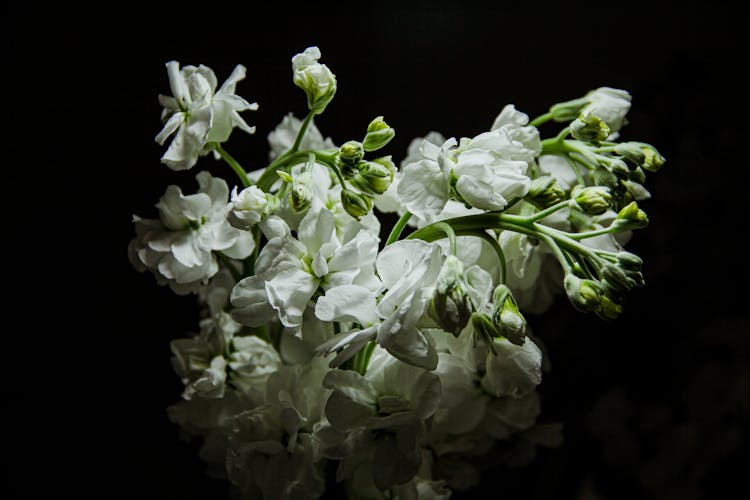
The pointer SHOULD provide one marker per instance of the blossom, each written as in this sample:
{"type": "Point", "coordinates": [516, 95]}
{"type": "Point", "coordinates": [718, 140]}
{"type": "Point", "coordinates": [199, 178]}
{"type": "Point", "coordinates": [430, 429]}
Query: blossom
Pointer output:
{"type": "Point", "coordinates": [383, 412]}
{"type": "Point", "coordinates": [269, 447]}
{"type": "Point", "coordinates": [609, 105]}
{"type": "Point", "coordinates": [318, 82]}
{"type": "Point", "coordinates": [179, 247]}
{"type": "Point", "coordinates": [281, 139]}
{"type": "Point", "coordinates": [198, 115]}
{"type": "Point", "coordinates": [290, 270]}
{"type": "Point", "coordinates": [513, 370]}
{"type": "Point", "coordinates": [248, 207]}
{"type": "Point", "coordinates": [408, 270]}
{"type": "Point", "coordinates": [485, 172]}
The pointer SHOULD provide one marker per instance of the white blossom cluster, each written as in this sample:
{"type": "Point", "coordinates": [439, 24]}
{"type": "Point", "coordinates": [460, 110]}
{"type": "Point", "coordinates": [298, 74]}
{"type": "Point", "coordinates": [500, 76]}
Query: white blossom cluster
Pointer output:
{"type": "Point", "coordinates": [391, 364]}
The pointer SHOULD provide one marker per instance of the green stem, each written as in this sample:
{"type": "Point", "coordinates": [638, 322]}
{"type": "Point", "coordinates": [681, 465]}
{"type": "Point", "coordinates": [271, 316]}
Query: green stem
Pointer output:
{"type": "Point", "coordinates": [498, 250]}
{"type": "Point", "coordinates": [250, 261]}
{"type": "Point", "coordinates": [362, 358]}
{"type": "Point", "coordinates": [591, 234]}
{"type": "Point", "coordinates": [339, 175]}
{"type": "Point", "coordinates": [547, 211]}
{"type": "Point", "coordinates": [541, 119]}
{"type": "Point", "coordinates": [398, 228]}
{"type": "Point", "coordinates": [575, 169]}
{"type": "Point", "coordinates": [269, 176]}
{"type": "Point", "coordinates": [301, 132]}
{"type": "Point", "coordinates": [448, 230]}
{"type": "Point", "coordinates": [228, 264]}
{"type": "Point", "coordinates": [234, 164]}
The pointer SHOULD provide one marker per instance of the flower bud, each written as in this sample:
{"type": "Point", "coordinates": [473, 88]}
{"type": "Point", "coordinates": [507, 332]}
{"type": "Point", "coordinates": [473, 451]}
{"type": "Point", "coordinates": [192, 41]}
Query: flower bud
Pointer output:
{"type": "Point", "coordinates": [508, 319]}
{"type": "Point", "coordinates": [631, 217]}
{"type": "Point", "coordinates": [351, 153]}
{"type": "Point", "coordinates": [617, 278]}
{"type": "Point", "coordinates": [374, 176]}
{"type": "Point", "coordinates": [589, 127]}
{"type": "Point", "coordinates": [637, 175]}
{"type": "Point", "coordinates": [608, 309]}
{"type": "Point", "coordinates": [485, 328]}
{"type": "Point", "coordinates": [584, 294]}
{"type": "Point", "coordinates": [355, 204]}
{"type": "Point", "coordinates": [248, 208]}
{"type": "Point", "coordinates": [378, 134]}
{"type": "Point", "coordinates": [451, 306]}
{"type": "Point", "coordinates": [300, 196]}
{"type": "Point", "coordinates": [603, 177]}
{"type": "Point", "coordinates": [594, 200]}
{"type": "Point", "coordinates": [631, 151]}
{"type": "Point", "coordinates": [568, 110]}
{"type": "Point", "coordinates": [629, 261]}
{"type": "Point", "coordinates": [544, 192]}
{"type": "Point", "coordinates": [318, 82]}
{"type": "Point", "coordinates": [654, 161]}
{"type": "Point", "coordinates": [619, 168]}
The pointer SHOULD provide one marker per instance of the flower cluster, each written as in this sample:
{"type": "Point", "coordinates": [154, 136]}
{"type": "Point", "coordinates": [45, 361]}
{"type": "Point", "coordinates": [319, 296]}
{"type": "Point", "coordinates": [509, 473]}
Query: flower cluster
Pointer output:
{"type": "Point", "coordinates": [398, 361]}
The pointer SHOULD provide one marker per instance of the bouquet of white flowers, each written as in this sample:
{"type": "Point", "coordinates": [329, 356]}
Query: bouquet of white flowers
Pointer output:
{"type": "Point", "coordinates": [395, 362]}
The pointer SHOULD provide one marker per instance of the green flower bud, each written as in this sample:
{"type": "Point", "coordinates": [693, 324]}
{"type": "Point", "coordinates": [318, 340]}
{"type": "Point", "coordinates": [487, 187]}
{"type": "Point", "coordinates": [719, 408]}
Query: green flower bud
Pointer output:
{"type": "Point", "coordinates": [544, 192]}
{"type": "Point", "coordinates": [608, 309]}
{"type": "Point", "coordinates": [629, 261]}
{"type": "Point", "coordinates": [568, 110]}
{"type": "Point", "coordinates": [588, 127]}
{"type": "Point", "coordinates": [351, 153]}
{"type": "Point", "coordinates": [594, 200]}
{"type": "Point", "coordinates": [300, 196]}
{"type": "Point", "coordinates": [508, 319]}
{"type": "Point", "coordinates": [378, 134]}
{"type": "Point", "coordinates": [631, 151]}
{"type": "Point", "coordinates": [355, 204]}
{"type": "Point", "coordinates": [654, 160]}
{"type": "Point", "coordinates": [584, 294]}
{"type": "Point", "coordinates": [637, 175]}
{"type": "Point", "coordinates": [374, 176]}
{"type": "Point", "coordinates": [451, 306]}
{"type": "Point", "coordinates": [619, 168]}
{"type": "Point", "coordinates": [603, 177]}
{"type": "Point", "coordinates": [631, 217]}
{"type": "Point", "coordinates": [617, 278]}
{"type": "Point", "coordinates": [485, 329]}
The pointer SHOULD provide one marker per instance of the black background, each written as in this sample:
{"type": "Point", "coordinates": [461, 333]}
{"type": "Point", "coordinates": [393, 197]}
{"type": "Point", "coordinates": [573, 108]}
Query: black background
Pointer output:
{"type": "Point", "coordinates": [655, 404]}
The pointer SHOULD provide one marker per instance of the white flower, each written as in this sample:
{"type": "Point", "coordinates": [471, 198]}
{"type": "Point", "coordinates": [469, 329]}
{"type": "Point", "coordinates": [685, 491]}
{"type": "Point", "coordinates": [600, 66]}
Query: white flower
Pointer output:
{"type": "Point", "coordinates": [290, 270]}
{"type": "Point", "coordinates": [252, 360]}
{"type": "Point", "coordinates": [409, 270]}
{"type": "Point", "coordinates": [318, 82]}
{"type": "Point", "coordinates": [413, 152]}
{"type": "Point", "coordinates": [196, 115]}
{"type": "Point", "coordinates": [515, 123]}
{"type": "Point", "coordinates": [514, 371]}
{"type": "Point", "coordinates": [609, 105]}
{"type": "Point", "coordinates": [383, 413]}
{"type": "Point", "coordinates": [249, 207]}
{"type": "Point", "coordinates": [486, 172]}
{"type": "Point", "coordinates": [281, 139]}
{"type": "Point", "coordinates": [179, 247]}
{"type": "Point", "coordinates": [269, 449]}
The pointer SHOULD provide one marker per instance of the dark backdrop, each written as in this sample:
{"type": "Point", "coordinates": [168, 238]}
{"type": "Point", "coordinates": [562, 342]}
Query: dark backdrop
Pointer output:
{"type": "Point", "coordinates": [655, 404]}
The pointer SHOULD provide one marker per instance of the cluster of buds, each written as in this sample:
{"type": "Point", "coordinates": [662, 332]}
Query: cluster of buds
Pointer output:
{"type": "Point", "coordinates": [604, 292]}
{"type": "Point", "coordinates": [369, 177]}
{"type": "Point", "coordinates": [505, 320]}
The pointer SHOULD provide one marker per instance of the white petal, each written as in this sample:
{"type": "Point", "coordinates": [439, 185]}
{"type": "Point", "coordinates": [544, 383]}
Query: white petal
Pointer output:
{"type": "Point", "coordinates": [315, 229]}
{"type": "Point", "coordinates": [347, 303]}
{"type": "Point", "coordinates": [423, 189]}
{"type": "Point", "coordinates": [251, 303]}
{"type": "Point", "coordinates": [172, 124]}
{"type": "Point", "coordinates": [288, 293]}
{"type": "Point", "coordinates": [479, 194]}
